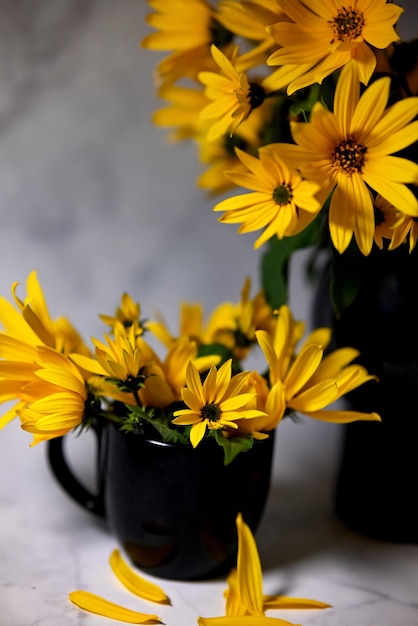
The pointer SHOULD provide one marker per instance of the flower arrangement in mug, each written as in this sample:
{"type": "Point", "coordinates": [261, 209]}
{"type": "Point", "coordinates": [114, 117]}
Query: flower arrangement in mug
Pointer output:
{"type": "Point", "coordinates": [309, 107]}
{"type": "Point", "coordinates": [197, 390]}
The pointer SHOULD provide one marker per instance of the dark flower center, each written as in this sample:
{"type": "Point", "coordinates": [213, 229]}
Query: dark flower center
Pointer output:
{"type": "Point", "coordinates": [282, 194]}
{"type": "Point", "coordinates": [349, 156]}
{"type": "Point", "coordinates": [211, 412]}
{"type": "Point", "coordinates": [348, 24]}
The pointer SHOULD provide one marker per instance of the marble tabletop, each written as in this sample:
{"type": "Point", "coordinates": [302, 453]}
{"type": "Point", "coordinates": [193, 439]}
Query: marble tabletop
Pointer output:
{"type": "Point", "coordinates": [95, 199]}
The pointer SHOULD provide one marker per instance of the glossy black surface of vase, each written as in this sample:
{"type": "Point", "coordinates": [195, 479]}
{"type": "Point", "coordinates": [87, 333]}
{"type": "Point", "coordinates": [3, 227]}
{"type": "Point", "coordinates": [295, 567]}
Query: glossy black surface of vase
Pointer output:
{"type": "Point", "coordinates": [173, 508]}
{"type": "Point", "coordinates": [376, 490]}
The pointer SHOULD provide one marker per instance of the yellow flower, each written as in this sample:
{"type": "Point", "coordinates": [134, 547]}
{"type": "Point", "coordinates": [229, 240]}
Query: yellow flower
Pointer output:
{"type": "Point", "coordinates": [404, 226]}
{"type": "Point", "coordinates": [307, 381]}
{"type": "Point", "coordinates": [233, 96]}
{"type": "Point", "coordinates": [17, 368]}
{"type": "Point", "coordinates": [32, 323]}
{"type": "Point", "coordinates": [385, 215]}
{"type": "Point", "coordinates": [56, 400]}
{"type": "Point", "coordinates": [327, 34]}
{"type": "Point", "coordinates": [348, 151]}
{"type": "Point", "coordinates": [182, 112]}
{"type": "Point", "coordinates": [127, 314]}
{"type": "Point", "coordinates": [234, 324]}
{"type": "Point", "coordinates": [188, 28]}
{"type": "Point", "coordinates": [217, 403]}
{"type": "Point", "coordinates": [191, 325]}
{"type": "Point", "coordinates": [282, 202]}
{"type": "Point", "coordinates": [181, 352]}
{"type": "Point", "coordinates": [124, 363]}
{"type": "Point", "coordinates": [249, 20]}
{"type": "Point", "coordinates": [220, 153]}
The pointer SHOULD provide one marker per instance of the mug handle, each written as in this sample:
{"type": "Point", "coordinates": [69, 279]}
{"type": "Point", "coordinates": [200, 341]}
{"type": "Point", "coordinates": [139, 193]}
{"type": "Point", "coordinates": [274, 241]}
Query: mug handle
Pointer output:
{"type": "Point", "coordinates": [67, 480]}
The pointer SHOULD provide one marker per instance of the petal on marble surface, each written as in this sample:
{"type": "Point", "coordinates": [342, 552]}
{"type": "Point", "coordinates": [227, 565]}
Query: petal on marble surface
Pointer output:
{"type": "Point", "coordinates": [286, 602]}
{"type": "Point", "coordinates": [244, 620]}
{"type": "Point", "coordinates": [96, 604]}
{"type": "Point", "coordinates": [134, 582]}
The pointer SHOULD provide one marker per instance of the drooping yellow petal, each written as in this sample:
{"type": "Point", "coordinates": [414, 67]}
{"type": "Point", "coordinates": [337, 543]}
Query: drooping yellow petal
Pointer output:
{"type": "Point", "coordinates": [344, 417]}
{"type": "Point", "coordinates": [133, 582]}
{"type": "Point", "coordinates": [96, 604]}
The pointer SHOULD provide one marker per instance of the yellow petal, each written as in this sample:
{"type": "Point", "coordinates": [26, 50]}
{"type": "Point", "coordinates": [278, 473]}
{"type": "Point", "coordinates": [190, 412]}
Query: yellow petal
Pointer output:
{"type": "Point", "coordinates": [234, 605]}
{"type": "Point", "coordinates": [343, 417]}
{"type": "Point", "coordinates": [244, 620]}
{"type": "Point", "coordinates": [135, 583]}
{"type": "Point", "coordinates": [95, 604]}
{"type": "Point", "coordinates": [285, 602]}
{"type": "Point", "coordinates": [250, 576]}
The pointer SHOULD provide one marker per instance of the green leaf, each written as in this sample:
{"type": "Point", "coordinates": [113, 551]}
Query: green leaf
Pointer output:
{"type": "Point", "coordinates": [233, 445]}
{"type": "Point", "coordinates": [161, 422]}
{"type": "Point", "coordinates": [275, 263]}
{"type": "Point", "coordinates": [168, 434]}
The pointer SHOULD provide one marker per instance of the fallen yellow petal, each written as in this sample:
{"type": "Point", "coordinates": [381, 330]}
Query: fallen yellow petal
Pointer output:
{"type": "Point", "coordinates": [244, 620]}
{"type": "Point", "coordinates": [135, 583]}
{"type": "Point", "coordinates": [285, 602]}
{"type": "Point", "coordinates": [95, 604]}
{"type": "Point", "coordinates": [249, 572]}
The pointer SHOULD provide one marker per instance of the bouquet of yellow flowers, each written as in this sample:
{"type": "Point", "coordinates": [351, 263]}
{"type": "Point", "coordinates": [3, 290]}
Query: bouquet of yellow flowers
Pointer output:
{"type": "Point", "coordinates": [307, 106]}
{"type": "Point", "coordinates": [194, 387]}
{"type": "Point", "coordinates": [304, 116]}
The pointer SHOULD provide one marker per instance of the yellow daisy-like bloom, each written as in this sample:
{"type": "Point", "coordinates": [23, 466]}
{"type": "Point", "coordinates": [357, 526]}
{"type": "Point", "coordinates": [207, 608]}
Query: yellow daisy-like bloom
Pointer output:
{"type": "Point", "coordinates": [32, 323]}
{"type": "Point", "coordinates": [349, 150]}
{"type": "Point", "coordinates": [326, 34]}
{"type": "Point", "coordinates": [234, 324]}
{"type": "Point", "coordinates": [180, 353]}
{"type": "Point", "coordinates": [220, 153]}
{"type": "Point", "coordinates": [232, 96]}
{"type": "Point", "coordinates": [386, 216]}
{"type": "Point", "coordinates": [216, 404]}
{"type": "Point", "coordinates": [127, 314]}
{"type": "Point", "coordinates": [56, 400]}
{"type": "Point", "coordinates": [191, 325]}
{"type": "Point", "coordinates": [17, 368]}
{"type": "Point", "coordinates": [282, 202]}
{"type": "Point", "coordinates": [308, 382]}
{"type": "Point", "coordinates": [123, 364]}
{"type": "Point", "coordinates": [128, 369]}
{"type": "Point", "coordinates": [182, 113]}
{"type": "Point", "coordinates": [249, 20]}
{"type": "Point", "coordinates": [188, 28]}
{"type": "Point", "coordinates": [404, 226]}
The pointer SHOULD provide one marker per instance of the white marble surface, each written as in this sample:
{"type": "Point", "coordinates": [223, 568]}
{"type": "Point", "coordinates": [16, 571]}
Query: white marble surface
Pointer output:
{"type": "Point", "coordinates": [94, 199]}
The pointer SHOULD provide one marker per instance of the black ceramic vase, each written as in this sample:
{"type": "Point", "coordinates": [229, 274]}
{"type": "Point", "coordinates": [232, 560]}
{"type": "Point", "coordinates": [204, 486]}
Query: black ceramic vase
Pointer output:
{"type": "Point", "coordinates": [378, 476]}
{"type": "Point", "coordinates": [173, 508]}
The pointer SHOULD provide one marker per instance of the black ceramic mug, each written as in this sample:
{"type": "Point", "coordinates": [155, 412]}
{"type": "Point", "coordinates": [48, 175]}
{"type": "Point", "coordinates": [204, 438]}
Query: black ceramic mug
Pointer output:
{"type": "Point", "coordinates": [172, 508]}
